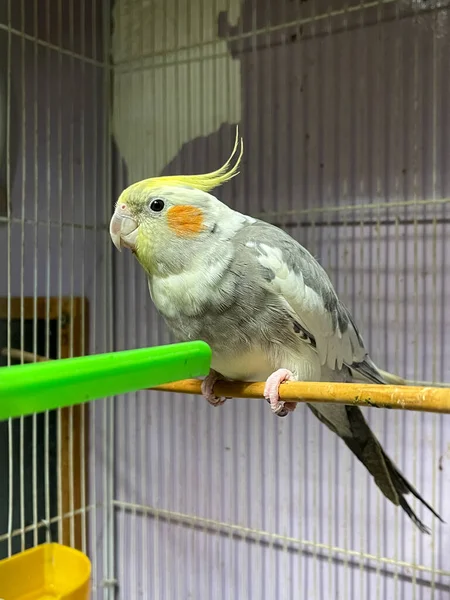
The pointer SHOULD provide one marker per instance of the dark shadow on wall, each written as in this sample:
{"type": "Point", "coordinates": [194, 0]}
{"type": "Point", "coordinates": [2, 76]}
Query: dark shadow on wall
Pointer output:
{"type": "Point", "coordinates": [328, 112]}
{"type": "Point", "coordinates": [328, 109]}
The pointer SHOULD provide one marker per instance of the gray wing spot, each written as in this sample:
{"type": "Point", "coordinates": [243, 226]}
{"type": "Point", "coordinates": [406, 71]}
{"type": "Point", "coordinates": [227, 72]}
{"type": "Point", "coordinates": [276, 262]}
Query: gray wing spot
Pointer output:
{"type": "Point", "coordinates": [304, 335]}
{"type": "Point", "coordinates": [267, 273]}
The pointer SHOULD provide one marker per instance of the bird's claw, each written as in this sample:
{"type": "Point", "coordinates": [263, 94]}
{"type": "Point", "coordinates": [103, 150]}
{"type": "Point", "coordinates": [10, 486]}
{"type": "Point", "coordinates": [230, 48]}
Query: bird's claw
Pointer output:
{"type": "Point", "coordinates": [208, 389]}
{"type": "Point", "coordinates": [271, 392]}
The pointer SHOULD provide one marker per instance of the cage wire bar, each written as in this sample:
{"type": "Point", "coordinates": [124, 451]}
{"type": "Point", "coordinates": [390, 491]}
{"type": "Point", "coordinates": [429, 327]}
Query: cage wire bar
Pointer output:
{"type": "Point", "coordinates": [56, 279]}
{"type": "Point", "coordinates": [342, 105]}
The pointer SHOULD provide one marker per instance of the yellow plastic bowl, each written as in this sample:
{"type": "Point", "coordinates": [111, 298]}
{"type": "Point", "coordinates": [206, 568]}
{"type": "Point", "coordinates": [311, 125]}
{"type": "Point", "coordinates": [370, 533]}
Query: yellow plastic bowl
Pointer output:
{"type": "Point", "coordinates": [47, 572]}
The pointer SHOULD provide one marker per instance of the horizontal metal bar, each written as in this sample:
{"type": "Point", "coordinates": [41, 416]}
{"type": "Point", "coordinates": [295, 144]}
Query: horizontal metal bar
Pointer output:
{"type": "Point", "coordinates": [353, 207]}
{"type": "Point", "coordinates": [45, 523]}
{"type": "Point", "coordinates": [363, 222]}
{"type": "Point", "coordinates": [331, 14]}
{"type": "Point", "coordinates": [280, 223]}
{"type": "Point", "coordinates": [54, 47]}
{"type": "Point", "coordinates": [57, 224]}
{"type": "Point", "coordinates": [146, 61]}
{"type": "Point", "coordinates": [221, 527]}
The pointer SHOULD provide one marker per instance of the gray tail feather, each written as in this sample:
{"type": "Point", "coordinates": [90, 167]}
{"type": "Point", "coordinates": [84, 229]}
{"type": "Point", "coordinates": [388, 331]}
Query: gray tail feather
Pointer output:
{"type": "Point", "coordinates": [366, 447]}
{"type": "Point", "coordinates": [369, 371]}
{"type": "Point", "coordinates": [409, 488]}
{"type": "Point", "coordinates": [417, 383]}
{"type": "Point", "coordinates": [392, 379]}
{"type": "Point", "coordinates": [388, 478]}
{"type": "Point", "coordinates": [368, 450]}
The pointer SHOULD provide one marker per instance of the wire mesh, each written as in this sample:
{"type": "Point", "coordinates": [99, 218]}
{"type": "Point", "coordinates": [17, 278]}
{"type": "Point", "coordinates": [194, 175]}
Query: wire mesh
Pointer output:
{"type": "Point", "coordinates": [55, 280]}
{"type": "Point", "coordinates": [342, 106]}
{"type": "Point", "coordinates": [343, 110]}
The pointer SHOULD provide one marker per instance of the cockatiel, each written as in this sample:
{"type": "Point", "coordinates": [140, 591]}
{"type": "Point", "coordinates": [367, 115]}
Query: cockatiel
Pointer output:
{"type": "Point", "coordinates": [259, 299]}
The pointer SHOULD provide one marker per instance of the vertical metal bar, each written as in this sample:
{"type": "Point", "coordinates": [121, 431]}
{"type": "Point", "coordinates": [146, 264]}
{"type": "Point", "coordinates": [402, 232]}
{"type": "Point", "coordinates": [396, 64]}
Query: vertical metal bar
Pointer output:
{"type": "Point", "coordinates": [87, 105]}
{"type": "Point", "coordinates": [71, 236]}
{"type": "Point", "coordinates": [36, 270]}
{"type": "Point", "coordinates": [120, 82]}
{"type": "Point", "coordinates": [132, 400]}
{"type": "Point", "coordinates": [314, 159]}
{"type": "Point", "coordinates": [168, 117]}
{"type": "Point", "coordinates": [206, 448]}
{"type": "Point", "coordinates": [190, 121]}
{"type": "Point", "coordinates": [143, 402]}
{"type": "Point", "coordinates": [407, 131]}
{"type": "Point", "coordinates": [443, 257]}
{"type": "Point", "coordinates": [133, 327]}
{"type": "Point", "coordinates": [49, 187]}
{"type": "Point", "coordinates": [286, 131]}
{"type": "Point", "coordinates": [9, 269]}
{"type": "Point", "coordinates": [379, 132]}
{"type": "Point", "coordinates": [250, 131]}
{"type": "Point", "coordinates": [109, 403]}
{"type": "Point", "coordinates": [346, 190]}
{"type": "Point", "coordinates": [265, 139]}
{"type": "Point", "coordinates": [176, 411]}
{"type": "Point", "coordinates": [327, 144]}
{"type": "Point", "coordinates": [281, 168]}
{"type": "Point", "coordinates": [24, 124]}
{"type": "Point", "coordinates": [361, 158]}
{"type": "Point", "coordinates": [322, 244]}
{"type": "Point", "coordinates": [95, 409]}
{"type": "Point", "coordinates": [397, 108]}
{"type": "Point", "coordinates": [415, 195]}
{"type": "Point", "coordinates": [434, 293]}
{"type": "Point", "coordinates": [298, 158]}
{"type": "Point", "coordinates": [61, 249]}
{"type": "Point", "coordinates": [201, 437]}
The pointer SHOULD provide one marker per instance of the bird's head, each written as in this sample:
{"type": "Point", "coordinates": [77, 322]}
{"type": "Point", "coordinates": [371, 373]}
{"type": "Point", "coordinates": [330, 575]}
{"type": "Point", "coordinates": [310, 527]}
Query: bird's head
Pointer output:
{"type": "Point", "coordinates": [165, 219]}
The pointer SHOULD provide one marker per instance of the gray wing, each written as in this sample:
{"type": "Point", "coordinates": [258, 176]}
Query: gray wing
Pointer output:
{"type": "Point", "coordinates": [303, 286]}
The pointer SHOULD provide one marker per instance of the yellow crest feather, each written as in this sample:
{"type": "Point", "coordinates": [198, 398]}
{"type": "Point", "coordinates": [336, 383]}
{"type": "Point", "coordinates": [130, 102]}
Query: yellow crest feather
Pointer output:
{"type": "Point", "coordinates": [207, 181]}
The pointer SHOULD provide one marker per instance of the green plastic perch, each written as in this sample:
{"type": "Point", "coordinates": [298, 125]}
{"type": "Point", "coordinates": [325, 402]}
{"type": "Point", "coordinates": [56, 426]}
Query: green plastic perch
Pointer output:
{"type": "Point", "coordinates": [37, 387]}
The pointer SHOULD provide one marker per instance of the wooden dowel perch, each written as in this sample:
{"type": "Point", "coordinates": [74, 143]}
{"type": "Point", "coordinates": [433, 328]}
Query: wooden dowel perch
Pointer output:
{"type": "Point", "coordinates": [423, 399]}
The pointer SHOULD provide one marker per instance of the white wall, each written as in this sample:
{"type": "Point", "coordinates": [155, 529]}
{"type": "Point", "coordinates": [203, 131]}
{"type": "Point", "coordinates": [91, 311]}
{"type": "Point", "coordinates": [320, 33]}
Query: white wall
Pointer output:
{"type": "Point", "coordinates": [156, 47]}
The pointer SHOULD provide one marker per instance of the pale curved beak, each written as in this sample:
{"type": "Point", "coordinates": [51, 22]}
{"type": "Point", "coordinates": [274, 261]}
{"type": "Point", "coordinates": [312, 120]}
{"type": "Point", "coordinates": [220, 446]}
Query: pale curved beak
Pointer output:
{"type": "Point", "coordinates": [123, 229]}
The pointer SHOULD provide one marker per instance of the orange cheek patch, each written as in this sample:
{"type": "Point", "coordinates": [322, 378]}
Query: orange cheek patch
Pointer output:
{"type": "Point", "coordinates": [185, 220]}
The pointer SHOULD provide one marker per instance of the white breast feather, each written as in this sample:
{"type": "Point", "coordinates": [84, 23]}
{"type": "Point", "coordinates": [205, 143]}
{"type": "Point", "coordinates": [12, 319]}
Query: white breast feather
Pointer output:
{"type": "Point", "coordinates": [253, 365]}
{"type": "Point", "coordinates": [185, 292]}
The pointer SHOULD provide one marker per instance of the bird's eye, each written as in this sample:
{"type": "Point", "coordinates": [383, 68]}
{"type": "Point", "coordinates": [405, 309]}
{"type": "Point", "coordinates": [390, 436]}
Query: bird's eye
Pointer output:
{"type": "Point", "coordinates": [157, 205]}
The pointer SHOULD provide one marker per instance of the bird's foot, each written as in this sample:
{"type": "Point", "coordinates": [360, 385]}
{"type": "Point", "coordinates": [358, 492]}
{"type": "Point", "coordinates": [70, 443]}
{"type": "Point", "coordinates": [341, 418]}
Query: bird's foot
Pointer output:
{"type": "Point", "coordinates": [208, 388]}
{"type": "Point", "coordinates": [271, 392]}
